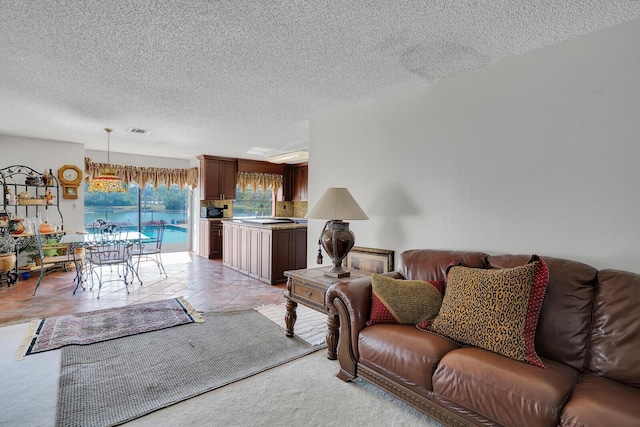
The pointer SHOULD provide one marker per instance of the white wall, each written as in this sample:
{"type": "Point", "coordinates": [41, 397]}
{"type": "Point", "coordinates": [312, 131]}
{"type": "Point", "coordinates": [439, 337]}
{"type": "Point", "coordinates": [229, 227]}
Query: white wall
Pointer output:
{"type": "Point", "coordinates": [536, 154]}
{"type": "Point", "coordinates": [40, 154]}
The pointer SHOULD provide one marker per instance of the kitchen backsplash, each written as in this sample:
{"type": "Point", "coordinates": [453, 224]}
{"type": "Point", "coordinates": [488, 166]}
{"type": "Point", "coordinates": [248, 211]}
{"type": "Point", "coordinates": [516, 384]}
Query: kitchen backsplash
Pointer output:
{"type": "Point", "coordinates": [283, 209]}
{"type": "Point", "coordinates": [291, 209]}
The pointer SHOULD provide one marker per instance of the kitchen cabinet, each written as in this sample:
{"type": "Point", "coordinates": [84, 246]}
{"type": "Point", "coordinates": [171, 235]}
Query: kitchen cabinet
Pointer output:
{"type": "Point", "coordinates": [217, 177]}
{"type": "Point", "coordinates": [264, 253]}
{"type": "Point", "coordinates": [231, 247]}
{"type": "Point", "coordinates": [282, 250]}
{"type": "Point", "coordinates": [203, 238]}
{"type": "Point", "coordinates": [302, 179]}
{"type": "Point", "coordinates": [253, 253]}
{"type": "Point", "coordinates": [210, 237]}
{"type": "Point", "coordinates": [295, 183]}
{"type": "Point", "coordinates": [243, 266]}
{"type": "Point", "coordinates": [215, 239]}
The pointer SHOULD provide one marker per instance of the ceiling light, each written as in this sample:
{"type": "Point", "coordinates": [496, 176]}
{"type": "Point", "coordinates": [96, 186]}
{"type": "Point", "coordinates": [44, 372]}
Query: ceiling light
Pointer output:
{"type": "Point", "coordinates": [293, 157]}
{"type": "Point", "coordinates": [107, 181]}
{"type": "Point", "coordinates": [261, 151]}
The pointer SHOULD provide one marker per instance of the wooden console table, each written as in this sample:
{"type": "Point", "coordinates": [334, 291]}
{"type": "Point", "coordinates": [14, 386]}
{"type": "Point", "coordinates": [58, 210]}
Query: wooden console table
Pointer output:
{"type": "Point", "coordinates": [309, 287]}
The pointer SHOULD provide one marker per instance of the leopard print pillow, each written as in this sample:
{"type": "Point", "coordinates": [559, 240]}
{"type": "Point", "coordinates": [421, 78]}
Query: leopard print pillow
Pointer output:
{"type": "Point", "coordinates": [495, 309]}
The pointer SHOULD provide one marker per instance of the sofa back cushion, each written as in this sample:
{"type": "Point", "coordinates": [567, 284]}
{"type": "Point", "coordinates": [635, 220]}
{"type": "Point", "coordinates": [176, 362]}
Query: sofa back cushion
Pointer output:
{"type": "Point", "coordinates": [615, 336]}
{"type": "Point", "coordinates": [565, 318]}
{"type": "Point", "coordinates": [429, 265]}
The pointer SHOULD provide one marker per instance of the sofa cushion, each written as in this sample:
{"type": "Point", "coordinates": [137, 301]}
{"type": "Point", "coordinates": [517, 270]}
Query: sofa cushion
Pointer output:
{"type": "Point", "coordinates": [404, 301]}
{"type": "Point", "coordinates": [615, 332]}
{"type": "Point", "coordinates": [565, 318]}
{"type": "Point", "coordinates": [502, 389]}
{"type": "Point", "coordinates": [402, 353]}
{"type": "Point", "coordinates": [597, 401]}
{"type": "Point", "coordinates": [428, 264]}
{"type": "Point", "coordinates": [495, 309]}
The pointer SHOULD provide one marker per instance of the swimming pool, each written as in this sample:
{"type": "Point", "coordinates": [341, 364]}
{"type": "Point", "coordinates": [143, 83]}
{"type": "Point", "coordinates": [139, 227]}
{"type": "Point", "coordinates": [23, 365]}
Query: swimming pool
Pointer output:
{"type": "Point", "coordinates": [172, 233]}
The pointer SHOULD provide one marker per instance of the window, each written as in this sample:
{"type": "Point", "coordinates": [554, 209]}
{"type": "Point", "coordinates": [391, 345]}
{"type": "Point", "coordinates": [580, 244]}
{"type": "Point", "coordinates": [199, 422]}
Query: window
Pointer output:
{"type": "Point", "coordinates": [249, 204]}
{"type": "Point", "coordinates": [141, 210]}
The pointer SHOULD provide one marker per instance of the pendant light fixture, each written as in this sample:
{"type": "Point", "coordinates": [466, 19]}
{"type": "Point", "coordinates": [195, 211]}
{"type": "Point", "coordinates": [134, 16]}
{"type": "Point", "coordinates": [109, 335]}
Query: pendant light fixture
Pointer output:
{"type": "Point", "coordinates": [107, 181]}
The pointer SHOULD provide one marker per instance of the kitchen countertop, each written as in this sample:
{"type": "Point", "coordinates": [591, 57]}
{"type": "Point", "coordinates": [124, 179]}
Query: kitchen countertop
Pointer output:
{"type": "Point", "coordinates": [272, 223]}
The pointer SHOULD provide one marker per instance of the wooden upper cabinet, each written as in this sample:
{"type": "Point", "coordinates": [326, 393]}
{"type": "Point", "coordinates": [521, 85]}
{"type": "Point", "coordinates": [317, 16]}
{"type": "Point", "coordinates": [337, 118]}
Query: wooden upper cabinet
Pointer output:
{"type": "Point", "coordinates": [300, 191]}
{"type": "Point", "coordinates": [217, 177]}
{"type": "Point", "coordinates": [295, 183]}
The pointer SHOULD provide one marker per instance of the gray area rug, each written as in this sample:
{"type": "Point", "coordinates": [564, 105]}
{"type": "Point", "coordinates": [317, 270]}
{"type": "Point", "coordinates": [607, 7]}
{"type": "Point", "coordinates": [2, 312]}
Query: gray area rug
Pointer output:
{"type": "Point", "coordinates": [112, 382]}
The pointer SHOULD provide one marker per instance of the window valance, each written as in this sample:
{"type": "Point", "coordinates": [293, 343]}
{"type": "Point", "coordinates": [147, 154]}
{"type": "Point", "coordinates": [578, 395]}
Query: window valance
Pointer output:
{"type": "Point", "coordinates": [257, 181]}
{"type": "Point", "coordinates": [144, 175]}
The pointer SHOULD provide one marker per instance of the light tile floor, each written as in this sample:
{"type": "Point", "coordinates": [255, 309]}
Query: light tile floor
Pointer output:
{"type": "Point", "coordinates": [206, 284]}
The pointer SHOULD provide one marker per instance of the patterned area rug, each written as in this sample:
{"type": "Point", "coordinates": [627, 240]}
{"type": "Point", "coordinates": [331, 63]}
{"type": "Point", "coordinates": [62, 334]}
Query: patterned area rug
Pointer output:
{"type": "Point", "coordinates": [102, 325]}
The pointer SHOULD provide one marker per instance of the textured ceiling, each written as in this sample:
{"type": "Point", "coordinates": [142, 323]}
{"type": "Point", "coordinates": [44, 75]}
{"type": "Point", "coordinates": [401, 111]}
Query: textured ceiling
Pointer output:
{"type": "Point", "coordinates": [222, 77]}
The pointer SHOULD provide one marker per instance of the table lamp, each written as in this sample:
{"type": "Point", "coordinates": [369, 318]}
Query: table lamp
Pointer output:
{"type": "Point", "coordinates": [336, 205]}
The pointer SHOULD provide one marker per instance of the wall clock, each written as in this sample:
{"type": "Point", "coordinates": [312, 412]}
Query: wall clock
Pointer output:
{"type": "Point", "coordinates": [70, 177]}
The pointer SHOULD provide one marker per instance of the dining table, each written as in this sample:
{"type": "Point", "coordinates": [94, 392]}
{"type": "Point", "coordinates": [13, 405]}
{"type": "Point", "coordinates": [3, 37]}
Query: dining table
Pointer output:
{"type": "Point", "coordinates": [87, 240]}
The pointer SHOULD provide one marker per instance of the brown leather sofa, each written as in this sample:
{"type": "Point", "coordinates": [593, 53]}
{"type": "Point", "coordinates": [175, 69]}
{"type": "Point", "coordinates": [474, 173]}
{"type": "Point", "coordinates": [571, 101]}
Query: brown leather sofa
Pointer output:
{"type": "Point", "coordinates": [588, 336]}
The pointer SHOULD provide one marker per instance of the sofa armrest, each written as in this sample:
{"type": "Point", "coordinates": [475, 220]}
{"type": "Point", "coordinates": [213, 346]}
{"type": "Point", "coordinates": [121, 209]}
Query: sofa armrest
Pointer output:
{"type": "Point", "coordinates": [352, 302]}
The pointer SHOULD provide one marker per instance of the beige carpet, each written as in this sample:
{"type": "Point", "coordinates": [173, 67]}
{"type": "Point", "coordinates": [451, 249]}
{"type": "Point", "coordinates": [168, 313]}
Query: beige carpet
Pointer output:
{"type": "Point", "coordinates": [304, 392]}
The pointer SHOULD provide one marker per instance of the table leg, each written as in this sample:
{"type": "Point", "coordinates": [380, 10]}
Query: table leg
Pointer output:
{"type": "Point", "coordinates": [290, 317]}
{"type": "Point", "coordinates": [333, 333]}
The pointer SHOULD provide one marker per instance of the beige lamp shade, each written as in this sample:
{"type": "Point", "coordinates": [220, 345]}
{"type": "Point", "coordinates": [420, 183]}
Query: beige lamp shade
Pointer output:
{"type": "Point", "coordinates": [337, 203]}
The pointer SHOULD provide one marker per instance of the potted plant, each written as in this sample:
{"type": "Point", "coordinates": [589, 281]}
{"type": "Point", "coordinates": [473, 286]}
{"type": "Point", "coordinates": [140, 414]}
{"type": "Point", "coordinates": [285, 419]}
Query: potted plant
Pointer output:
{"type": "Point", "coordinates": [30, 249]}
{"type": "Point", "coordinates": [7, 253]}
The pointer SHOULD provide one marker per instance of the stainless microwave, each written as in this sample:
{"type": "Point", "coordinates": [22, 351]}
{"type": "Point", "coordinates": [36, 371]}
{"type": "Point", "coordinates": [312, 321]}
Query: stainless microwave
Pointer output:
{"type": "Point", "coordinates": [211, 212]}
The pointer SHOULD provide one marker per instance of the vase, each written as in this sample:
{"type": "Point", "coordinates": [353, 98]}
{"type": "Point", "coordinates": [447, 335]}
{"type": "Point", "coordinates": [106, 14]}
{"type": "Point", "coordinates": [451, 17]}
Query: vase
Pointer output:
{"type": "Point", "coordinates": [7, 262]}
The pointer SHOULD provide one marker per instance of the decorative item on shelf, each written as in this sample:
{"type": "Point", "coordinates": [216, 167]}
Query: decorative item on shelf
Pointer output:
{"type": "Point", "coordinates": [16, 226]}
{"type": "Point", "coordinates": [32, 179]}
{"type": "Point", "coordinates": [48, 197]}
{"type": "Point", "coordinates": [336, 205]}
{"type": "Point", "coordinates": [11, 198]}
{"type": "Point", "coordinates": [70, 177]}
{"type": "Point", "coordinates": [24, 198]}
{"type": "Point", "coordinates": [107, 181]}
{"type": "Point", "coordinates": [28, 226]}
{"type": "Point", "coordinates": [7, 253]}
{"type": "Point", "coordinates": [45, 227]}
{"type": "Point", "coordinates": [47, 179]}
{"type": "Point", "coordinates": [4, 219]}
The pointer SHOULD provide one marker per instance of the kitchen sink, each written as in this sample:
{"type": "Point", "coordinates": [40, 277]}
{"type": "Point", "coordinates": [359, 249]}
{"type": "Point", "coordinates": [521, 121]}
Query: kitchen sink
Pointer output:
{"type": "Point", "coordinates": [266, 221]}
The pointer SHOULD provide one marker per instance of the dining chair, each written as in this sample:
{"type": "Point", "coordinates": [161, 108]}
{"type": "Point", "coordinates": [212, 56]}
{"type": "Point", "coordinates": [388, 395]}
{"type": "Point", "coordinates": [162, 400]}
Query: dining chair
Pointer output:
{"type": "Point", "coordinates": [110, 249]}
{"type": "Point", "coordinates": [150, 250]}
{"type": "Point", "coordinates": [51, 256]}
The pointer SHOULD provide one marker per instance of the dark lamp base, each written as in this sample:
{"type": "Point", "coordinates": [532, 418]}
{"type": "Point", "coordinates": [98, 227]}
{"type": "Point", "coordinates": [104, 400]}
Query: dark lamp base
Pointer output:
{"type": "Point", "coordinates": [338, 274]}
{"type": "Point", "coordinates": [337, 240]}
